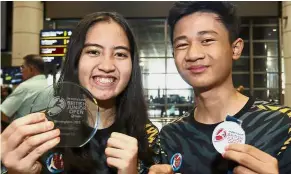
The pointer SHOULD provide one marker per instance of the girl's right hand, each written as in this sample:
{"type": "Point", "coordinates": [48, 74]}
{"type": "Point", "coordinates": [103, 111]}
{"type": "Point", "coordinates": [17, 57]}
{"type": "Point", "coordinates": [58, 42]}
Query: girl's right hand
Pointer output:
{"type": "Point", "coordinates": [25, 140]}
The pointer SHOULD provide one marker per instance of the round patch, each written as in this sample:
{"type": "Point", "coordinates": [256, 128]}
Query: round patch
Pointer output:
{"type": "Point", "coordinates": [176, 161]}
{"type": "Point", "coordinates": [55, 163]}
{"type": "Point", "coordinates": [225, 133]}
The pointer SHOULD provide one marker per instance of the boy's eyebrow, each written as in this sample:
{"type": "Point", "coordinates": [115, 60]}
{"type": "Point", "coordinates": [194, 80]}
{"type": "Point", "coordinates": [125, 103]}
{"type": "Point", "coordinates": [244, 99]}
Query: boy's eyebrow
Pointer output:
{"type": "Point", "coordinates": [179, 38]}
{"type": "Point", "coordinates": [207, 32]}
{"type": "Point", "coordinates": [200, 33]}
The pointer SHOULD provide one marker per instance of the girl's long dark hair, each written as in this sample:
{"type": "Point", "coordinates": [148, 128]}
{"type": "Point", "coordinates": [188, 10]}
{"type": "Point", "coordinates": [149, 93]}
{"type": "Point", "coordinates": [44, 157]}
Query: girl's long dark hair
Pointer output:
{"type": "Point", "coordinates": [131, 111]}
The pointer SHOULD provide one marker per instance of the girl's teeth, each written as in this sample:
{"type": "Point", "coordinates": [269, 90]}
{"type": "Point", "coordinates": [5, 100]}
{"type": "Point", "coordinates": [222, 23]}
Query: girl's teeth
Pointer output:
{"type": "Point", "coordinates": [105, 80]}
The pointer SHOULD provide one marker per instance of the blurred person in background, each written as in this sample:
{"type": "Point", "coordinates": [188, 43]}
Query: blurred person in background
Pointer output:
{"type": "Point", "coordinates": [19, 102]}
{"type": "Point", "coordinates": [5, 92]}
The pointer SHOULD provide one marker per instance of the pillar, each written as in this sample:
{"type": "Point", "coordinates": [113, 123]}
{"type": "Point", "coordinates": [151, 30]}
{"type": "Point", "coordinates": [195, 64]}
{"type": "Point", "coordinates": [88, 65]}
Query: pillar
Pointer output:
{"type": "Point", "coordinates": [27, 23]}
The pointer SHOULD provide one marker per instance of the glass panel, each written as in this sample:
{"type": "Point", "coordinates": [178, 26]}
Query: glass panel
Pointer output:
{"type": "Point", "coordinates": [155, 96]}
{"type": "Point", "coordinates": [246, 49]}
{"type": "Point", "coordinates": [265, 49]}
{"type": "Point", "coordinates": [142, 23]}
{"type": "Point", "coordinates": [244, 33]}
{"type": "Point", "coordinates": [48, 25]}
{"type": "Point", "coordinates": [265, 21]}
{"type": "Point", "coordinates": [241, 79]}
{"type": "Point", "coordinates": [176, 110]}
{"type": "Point", "coordinates": [66, 24]}
{"type": "Point", "coordinates": [152, 65]}
{"type": "Point", "coordinates": [245, 20]}
{"type": "Point", "coordinates": [156, 111]}
{"type": "Point", "coordinates": [156, 101]}
{"type": "Point", "coordinates": [169, 50]}
{"type": "Point", "coordinates": [148, 30]}
{"type": "Point", "coordinates": [150, 34]}
{"type": "Point", "coordinates": [267, 94]}
{"type": "Point", "coordinates": [152, 49]}
{"type": "Point", "coordinates": [266, 65]}
{"type": "Point", "coordinates": [153, 81]}
{"type": "Point", "coordinates": [265, 33]}
{"type": "Point", "coordinates": [179, 102]}
{"type": "Point", "coordinates": [171, 66]}
{"type": "Point", "coordinates": [175, 81]}
{"type": "Point", "coordinates": [269, 80]}
{"type": "Point", "coordinates": [185, 96]}
{"type": "Point", "coordinates": [242, 64]}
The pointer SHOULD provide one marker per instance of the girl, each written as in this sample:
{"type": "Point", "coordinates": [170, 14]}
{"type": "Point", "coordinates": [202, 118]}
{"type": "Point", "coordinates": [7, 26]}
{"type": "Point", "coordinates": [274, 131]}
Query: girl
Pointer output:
{"type": "Point", "coordinates": [102, 57]}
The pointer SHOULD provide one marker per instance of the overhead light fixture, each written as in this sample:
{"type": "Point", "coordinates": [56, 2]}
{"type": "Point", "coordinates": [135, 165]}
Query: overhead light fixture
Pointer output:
{"type": "Point", "coordinates": [274, 29]}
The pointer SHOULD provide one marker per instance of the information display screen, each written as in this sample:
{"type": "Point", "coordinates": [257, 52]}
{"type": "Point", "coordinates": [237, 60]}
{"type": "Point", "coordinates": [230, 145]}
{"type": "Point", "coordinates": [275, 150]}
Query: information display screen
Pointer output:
{"type": "Point", "coordinates": [11, 75]}
{"type": "Point", "coordinates": [53, 44]}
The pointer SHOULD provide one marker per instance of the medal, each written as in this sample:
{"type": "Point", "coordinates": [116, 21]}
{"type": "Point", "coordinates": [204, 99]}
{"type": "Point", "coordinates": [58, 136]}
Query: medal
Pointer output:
{"type": "Point", "coordinates": [228, 132]}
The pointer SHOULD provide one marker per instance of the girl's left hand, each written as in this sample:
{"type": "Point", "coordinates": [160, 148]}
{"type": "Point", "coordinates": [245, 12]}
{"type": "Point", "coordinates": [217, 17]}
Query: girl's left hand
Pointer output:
{"type": "Point", "coordinates": [122, 153]}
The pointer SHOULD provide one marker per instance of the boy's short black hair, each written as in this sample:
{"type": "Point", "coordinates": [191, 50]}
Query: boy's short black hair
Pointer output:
{"type": "Point", "coordinates": [225, 10]}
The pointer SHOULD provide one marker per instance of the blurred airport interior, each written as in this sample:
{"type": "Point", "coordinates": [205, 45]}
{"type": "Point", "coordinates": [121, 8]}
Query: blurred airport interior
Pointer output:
{"type": "Point", "coordinates": [263, 71]}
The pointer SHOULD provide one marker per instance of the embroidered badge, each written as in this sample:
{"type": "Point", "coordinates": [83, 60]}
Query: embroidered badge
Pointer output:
{"type": "Point", "coordinates": [55, 163]}
{"type": "Point", "coordinates": [176, 161]}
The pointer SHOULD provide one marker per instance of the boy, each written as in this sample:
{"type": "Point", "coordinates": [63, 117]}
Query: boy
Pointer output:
{"type": "Point", "coordinates": [205, 42]}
